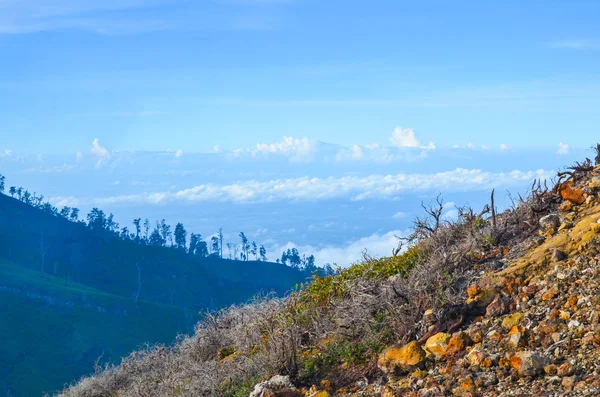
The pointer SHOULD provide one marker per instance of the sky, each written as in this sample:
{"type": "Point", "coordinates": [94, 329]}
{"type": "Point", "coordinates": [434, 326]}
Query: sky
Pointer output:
{"type": "Point", "coordinates": [317, 124]}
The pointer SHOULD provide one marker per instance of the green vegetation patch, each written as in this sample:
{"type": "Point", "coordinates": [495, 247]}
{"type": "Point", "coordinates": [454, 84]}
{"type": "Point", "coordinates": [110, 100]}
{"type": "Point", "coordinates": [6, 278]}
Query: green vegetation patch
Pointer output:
{"type": "Point", "coordinates": [322, 290]}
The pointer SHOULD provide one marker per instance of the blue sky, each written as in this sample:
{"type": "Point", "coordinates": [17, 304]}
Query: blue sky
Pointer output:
{"type": "Point", "coordinates": [316, 123]}
{"type": "Point", "coordinates": [154, 75]}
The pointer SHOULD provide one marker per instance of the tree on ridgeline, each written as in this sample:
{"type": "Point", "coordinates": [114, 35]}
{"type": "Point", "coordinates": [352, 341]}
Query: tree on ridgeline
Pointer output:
{"type": "Point", "coordinates": [201, 247]}
{"type": "Point", "coordinates": [74, 214]}
{"type": "Point", "coordinates": [146, 230]}
{"type": "Point", "coordinates": [308, 263]}
{"type": "Point", "coordinates": [96, 219]}
{"type": "Point", "coordinates": [49, 209]}
{"type": "Point", "coordinates": [291, 257]}
{"type": "Point", "coordinates": [111, 225]}
{"type": "Point", "coordinates": [161, 235]}
{"type": "Point", "coordinates": [221, 241]}
{"type": "Point", "coordinates": [65, 212]}
{"type": "Point", "coordinates": [136, 223]}
{"type": "Point", "coordinates": [193, 244]}
{"type": "Point", "coordinates": [245, 246]}
{"type": "Point", "coordinates": [214, 246]}
{"type": "Point", "coordinates": [165, 231]}
{"type": "Point", "coordinates": [263, 253]}
{"type": "Point", "coordinates": [156, 238]}
{"type": "Point", "coordinates": [294, 258]}
{"type": "Point", "coordinates": [180, 236]}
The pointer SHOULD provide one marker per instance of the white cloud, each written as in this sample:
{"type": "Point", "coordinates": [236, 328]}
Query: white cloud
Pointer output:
{"type": "Point", "coordinates": [6, 153]}
{"type": "Point", "coordinates": [377, 245]}
{"type": "Point", "coordinates": [504, 147]}
{"type": "Point", "coordinates": [179, 153]}
{"type": "Point", "coordinates": [404, 137]}
{"type": "Point", "coordinates": [63, 201]}
{"type": "Point", "coordinates": [100, 151]}
{"type": "Point", "coordinates": [372, 187]}
{"type": "Point", "coordinates": [563, 149]}
{"type": "Point", "coordinates": [299, 148]}
{"type": "Point", "coordinates": [473, 146]}
{"type": "Point", "coordinates": [78, 156]}
{"type": "Point", "coordinates": [217, 149]}
{"type": "Point", "coordinates": [400, 214]}
{"type": "Point", "coordinates": [355, 152]}
{"type": "Point", "coordinates": [381, 155]}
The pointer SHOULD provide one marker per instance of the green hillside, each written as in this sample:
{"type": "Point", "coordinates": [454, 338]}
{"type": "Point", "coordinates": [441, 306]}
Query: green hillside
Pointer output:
{"type": "Point", "coordinates": [72, 295]}
{"type": "Point", "coordinates": [51, 333]}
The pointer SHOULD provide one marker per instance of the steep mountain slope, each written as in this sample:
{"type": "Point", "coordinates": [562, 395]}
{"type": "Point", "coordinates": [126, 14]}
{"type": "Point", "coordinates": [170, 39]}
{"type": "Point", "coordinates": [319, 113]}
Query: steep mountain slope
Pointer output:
{"type": "Point", "coordinates": [491, 305]}
{"type": "Point", "coordinates": [71, 297]}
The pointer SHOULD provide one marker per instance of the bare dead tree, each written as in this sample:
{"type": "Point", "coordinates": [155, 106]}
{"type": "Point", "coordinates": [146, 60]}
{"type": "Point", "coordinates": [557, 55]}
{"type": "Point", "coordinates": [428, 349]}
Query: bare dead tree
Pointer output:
{"type": "Point", "coordinates": [493, 210]}
{"type": "Point", "coordinates": [425, 227]}
{"type": "Point", "coordinates": [578, 171]}
{"type": "Point", "coordinates": [597, 149]}
{"type": "Point", "coordinates": [398, 249]}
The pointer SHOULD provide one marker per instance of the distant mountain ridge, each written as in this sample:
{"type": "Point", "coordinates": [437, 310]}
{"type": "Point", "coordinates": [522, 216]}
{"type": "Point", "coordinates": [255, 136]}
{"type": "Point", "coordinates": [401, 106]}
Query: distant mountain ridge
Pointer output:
{"type": "Point", "coordinates": [75, 252]}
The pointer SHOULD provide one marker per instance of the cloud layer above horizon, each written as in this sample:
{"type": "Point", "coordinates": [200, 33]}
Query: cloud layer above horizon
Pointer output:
{"type": "Point", "coordinates": [330, 200]}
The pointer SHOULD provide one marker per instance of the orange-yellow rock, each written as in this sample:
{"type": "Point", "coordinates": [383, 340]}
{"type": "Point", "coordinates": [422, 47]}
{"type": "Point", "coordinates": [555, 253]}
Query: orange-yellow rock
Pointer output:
{"type": "Point", "coordinates": [326, 384]}
{"type": "Point", "coordinates": [527, 363]}
{"type": "Point", "coordinates": [569, 192]}
{"type": "Point", "coordinates": [480, 297]}
{"type": "Point", "coordinates": [438, 343]}
{"type": "Point", "coordinates": [476, 357]}
{"type": "Point", "coordinates": [399, 360]}
{"type": "Point", "coordinates": [566, 206]}
{"type": "Point", "coordinates": [511, 321]}
{"type": "Point", "coordinates": [458, 342]}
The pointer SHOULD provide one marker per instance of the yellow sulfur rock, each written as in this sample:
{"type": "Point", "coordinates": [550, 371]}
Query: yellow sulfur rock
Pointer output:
{"type": "Point", "coordinates": [419, 374]}
{"type": "Point", "coordinates": [397, 360]}
{"type": "Point", "coordinates": [438, 343]}
{"type": "Point", "coordinates": [511, 321]}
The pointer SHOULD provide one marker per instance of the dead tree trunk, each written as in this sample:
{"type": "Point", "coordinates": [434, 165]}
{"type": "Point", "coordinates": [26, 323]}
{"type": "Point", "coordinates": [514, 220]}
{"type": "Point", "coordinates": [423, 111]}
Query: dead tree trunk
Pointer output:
{"type": "Point", "coordinates": [493, 210]}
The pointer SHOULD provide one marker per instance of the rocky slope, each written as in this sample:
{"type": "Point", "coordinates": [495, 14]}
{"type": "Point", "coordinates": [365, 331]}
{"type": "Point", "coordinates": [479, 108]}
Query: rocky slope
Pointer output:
{"type": "Point", "coordinates": [539, 329]}
{"type": "Point", "coordinates": [490, 305]}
